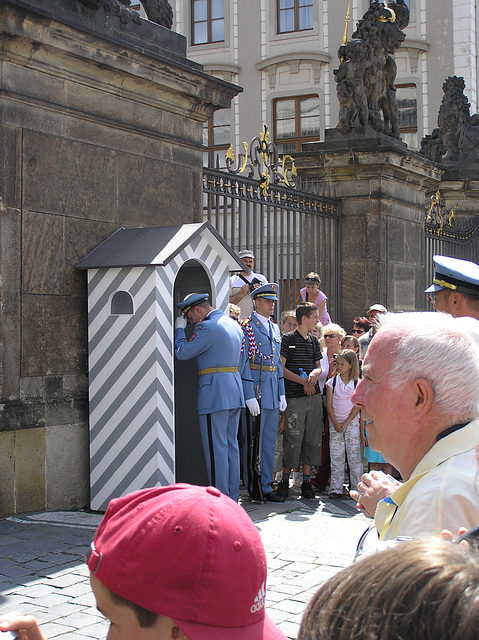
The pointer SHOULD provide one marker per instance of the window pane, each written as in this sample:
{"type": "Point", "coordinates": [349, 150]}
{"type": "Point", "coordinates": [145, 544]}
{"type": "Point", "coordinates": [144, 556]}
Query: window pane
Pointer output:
{"type": "Point", "coordinates": [221, 135]}
{"type": "Point", "coordinates": [305, 18]}
{"type": "Point", "coordinates": [289, 147]}
{"type": "Point", "coordinates": [285, 128]}
{"type": "Point", "coordinates": [217, 9]}
{"type": "Point", "coordinates": [286, 20]}
{"type": "Point", "coordinates": [310, 126]}
{"type": "Point", "coordinates": [200, 10]}
{"type": "Point", "coordinates": [201, 33]}
{"type": "Point", "coordinates": [286, 4]}
{"type": "Point", "coordinates": [284, 109]}
{"type": "Point", "coordinates": [407, 106]}
{"type": "Point", "coordinates": [205, 133]}
{"type": "Point", "coordinates": [223, 116]}
{"type": "Point", "coordinates": [217, 30]}
{"type": "Point", "coordinates": [309, 107]}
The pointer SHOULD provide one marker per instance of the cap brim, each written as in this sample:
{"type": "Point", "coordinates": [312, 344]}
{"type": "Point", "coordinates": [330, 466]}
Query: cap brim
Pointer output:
{"type": "Point", "coordinates": [433, 288]}
{"type": "Point", "coordinates": [263, 630]}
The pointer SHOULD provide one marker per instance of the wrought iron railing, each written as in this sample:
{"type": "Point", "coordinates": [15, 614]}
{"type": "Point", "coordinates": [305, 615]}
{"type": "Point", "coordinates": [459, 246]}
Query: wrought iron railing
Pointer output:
{"type": "Point", "coordinates": [290, 230]}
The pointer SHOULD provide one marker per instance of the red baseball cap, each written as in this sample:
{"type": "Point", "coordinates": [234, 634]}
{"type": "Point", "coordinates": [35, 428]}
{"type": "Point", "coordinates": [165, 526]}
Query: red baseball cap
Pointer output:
{"type": "Point", "coordinates": [189, 553]}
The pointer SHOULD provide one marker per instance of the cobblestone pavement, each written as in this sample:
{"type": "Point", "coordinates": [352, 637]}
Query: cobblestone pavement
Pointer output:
{"type": "Point", "coordinates": [42, 568]}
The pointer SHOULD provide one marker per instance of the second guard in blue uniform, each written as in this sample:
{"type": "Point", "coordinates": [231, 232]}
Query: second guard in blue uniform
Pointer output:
{"type": "Point", "coordinates": [263, 344]}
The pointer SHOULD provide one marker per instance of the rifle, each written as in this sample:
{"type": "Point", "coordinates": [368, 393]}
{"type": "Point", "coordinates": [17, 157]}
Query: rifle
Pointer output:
{"type": "Point", "coordinates": [255, 488]}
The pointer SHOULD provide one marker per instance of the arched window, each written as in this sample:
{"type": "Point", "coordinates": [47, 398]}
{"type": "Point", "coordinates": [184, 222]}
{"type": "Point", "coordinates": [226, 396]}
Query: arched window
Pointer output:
{"type": "Point", "coordinates": [121, 304]}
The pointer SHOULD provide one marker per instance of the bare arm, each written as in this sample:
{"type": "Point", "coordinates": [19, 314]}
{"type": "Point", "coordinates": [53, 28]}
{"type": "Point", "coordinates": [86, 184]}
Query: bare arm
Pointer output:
{"type": "Point", "coordinates": [329, 409]}
{"type": "Point", "coordinates": [240, 295]}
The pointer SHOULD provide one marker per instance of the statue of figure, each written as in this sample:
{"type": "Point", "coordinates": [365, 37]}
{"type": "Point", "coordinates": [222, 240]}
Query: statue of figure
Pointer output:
{"type": "Point", "coordinates": [456, 140]}
{"type": "Point", "coordinates": [352, 98]}
{"type": "Point", "coordinates": [373, 72]}
{"type": "Point", "coordinates": [158, 11]}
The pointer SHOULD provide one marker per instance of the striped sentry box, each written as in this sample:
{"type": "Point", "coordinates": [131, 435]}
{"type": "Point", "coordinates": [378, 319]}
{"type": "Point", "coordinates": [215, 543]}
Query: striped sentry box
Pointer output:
{"type": "Point", "coordinates": [131, 353]}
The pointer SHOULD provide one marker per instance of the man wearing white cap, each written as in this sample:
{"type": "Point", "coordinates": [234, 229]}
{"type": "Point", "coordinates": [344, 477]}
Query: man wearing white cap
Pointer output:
{"type": "Point", "coordinates": [244, 282]}
{"type": "Point", "coordinates": [455, 287]}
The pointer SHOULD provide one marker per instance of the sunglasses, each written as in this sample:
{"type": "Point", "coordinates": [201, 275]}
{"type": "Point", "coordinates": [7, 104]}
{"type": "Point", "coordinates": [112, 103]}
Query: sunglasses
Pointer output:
{"type": "Point", "coordinates": [331, 335]}
{"type": "Point", "coordinates": [356, 331]}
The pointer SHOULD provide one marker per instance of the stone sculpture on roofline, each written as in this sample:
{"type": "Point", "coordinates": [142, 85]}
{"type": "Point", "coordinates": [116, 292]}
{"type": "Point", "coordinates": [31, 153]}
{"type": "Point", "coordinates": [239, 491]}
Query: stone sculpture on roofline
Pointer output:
{"type": "Point", "coordinates": [158, 11]}
{"type": "Point", "coordinates": [365, 77]}
{"type": "Point", "coordinates": [455, 141]}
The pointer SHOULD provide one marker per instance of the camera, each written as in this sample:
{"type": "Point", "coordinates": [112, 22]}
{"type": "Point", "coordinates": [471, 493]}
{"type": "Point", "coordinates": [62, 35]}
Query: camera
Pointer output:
{"type": "Point", "coordinates": [253, 282]}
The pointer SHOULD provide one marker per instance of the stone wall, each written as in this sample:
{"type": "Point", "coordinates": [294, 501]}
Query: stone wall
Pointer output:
{"type": "Point", "coordinates": [100, 127]}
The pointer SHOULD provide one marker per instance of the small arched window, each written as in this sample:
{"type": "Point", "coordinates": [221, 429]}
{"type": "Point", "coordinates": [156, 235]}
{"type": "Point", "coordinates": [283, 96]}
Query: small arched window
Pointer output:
{"type": "Point", "coordinates": [121, 304]}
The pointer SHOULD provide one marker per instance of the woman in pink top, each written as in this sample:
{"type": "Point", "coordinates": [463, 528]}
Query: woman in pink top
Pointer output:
{"type": "Point", "coordinates": [312, 293]}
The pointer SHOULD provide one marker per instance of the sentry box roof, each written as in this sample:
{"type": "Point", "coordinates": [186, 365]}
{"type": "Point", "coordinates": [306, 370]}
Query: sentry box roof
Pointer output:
{"type": "Point", "coordinates": [155, 246]}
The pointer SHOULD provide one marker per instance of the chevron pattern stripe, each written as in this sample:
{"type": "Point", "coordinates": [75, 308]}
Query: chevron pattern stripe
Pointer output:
{"type": "Point", "coordinates": [131, 372]}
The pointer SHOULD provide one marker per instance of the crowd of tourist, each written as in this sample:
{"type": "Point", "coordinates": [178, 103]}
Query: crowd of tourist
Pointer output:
{"type": "Point", "coordinates": [403, 385]}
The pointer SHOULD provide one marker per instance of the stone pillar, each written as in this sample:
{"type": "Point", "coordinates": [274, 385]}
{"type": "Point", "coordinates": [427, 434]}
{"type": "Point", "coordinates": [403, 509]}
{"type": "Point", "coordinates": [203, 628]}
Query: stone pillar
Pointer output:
{"type": "Point", "coordinates": [382, 186]}
{"type": "Point", "coordinates": [100, 127]}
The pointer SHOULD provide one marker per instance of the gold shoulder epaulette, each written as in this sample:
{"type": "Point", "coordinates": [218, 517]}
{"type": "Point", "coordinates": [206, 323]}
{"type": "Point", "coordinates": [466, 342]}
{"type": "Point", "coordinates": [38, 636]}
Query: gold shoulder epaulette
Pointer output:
{"type": "Point", "coordinates": [246, 321]}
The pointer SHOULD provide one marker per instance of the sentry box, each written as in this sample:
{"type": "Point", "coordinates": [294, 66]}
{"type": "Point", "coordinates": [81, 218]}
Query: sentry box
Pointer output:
{"type": "Point", "coordinates": [143, 421]}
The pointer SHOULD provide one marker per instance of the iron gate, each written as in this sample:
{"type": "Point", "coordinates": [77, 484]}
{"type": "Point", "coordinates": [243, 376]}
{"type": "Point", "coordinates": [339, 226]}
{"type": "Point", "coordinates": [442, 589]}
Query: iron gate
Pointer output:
{"type": "Point", "coordinates": [291, 231]}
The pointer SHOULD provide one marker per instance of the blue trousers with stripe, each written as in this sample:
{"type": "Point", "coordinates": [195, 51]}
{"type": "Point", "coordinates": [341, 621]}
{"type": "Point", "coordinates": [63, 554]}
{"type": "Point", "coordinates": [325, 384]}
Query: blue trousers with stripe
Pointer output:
{"type": "Point", "coordinates": [219, 436]}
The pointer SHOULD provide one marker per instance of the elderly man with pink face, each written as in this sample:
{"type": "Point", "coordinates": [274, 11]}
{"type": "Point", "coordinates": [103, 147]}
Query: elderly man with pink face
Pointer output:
{"type": "Point", "coordinates": [420, 390]}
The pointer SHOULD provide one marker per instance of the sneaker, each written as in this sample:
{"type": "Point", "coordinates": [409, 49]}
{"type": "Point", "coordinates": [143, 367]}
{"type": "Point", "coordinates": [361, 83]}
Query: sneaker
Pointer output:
{"type": "Point", "coordinates": [334, 495]}
{"type": "Point", "coordinates": [307, 490]}
{"type": "Point", "coordinates": [283, 489]}
{"type": "Point", "coordinates": [297, 479]}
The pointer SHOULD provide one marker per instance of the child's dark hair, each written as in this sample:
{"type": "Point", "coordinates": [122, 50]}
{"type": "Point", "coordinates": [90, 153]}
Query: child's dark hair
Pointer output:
{"type": "Point", "coordinates": [146, 618]}
{"type": "Point", "coordinates": [351, 358]}
{"type": "Point", "coordinates": [352, 339]}
{"type": "Point", "coordinates": [305, 309]}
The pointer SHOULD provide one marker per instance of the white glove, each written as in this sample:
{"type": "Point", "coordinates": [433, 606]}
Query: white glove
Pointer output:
{"type": "Point", "coordinates": [180, 322]}
{"type": "Point", "coordinates": [253, 406]}
{"type": "Point", "coordinates": [282, 403]}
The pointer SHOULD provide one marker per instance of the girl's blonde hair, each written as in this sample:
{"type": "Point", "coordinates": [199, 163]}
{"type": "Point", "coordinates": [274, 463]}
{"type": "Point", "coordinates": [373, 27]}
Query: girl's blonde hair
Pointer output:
{"type": "Point", "coordinates": [351, 358]}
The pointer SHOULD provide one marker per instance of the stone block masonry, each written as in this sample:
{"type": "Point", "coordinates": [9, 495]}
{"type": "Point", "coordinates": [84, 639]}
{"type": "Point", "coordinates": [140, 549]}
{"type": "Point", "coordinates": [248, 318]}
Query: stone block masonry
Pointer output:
{"type": "Point", "coordinates": [100, 127]}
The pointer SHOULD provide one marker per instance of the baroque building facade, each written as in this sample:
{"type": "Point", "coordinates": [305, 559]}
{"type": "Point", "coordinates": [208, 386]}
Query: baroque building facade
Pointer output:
{"type": "Point", "coordinates": [283, 52]}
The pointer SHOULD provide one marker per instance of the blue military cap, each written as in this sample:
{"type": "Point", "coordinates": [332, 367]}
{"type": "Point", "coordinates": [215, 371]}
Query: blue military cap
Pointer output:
{"type": "Point", "coordinates": [191, 300]}
{"type": "Point", "coordinates": [455, 275]}
{"type": "Point", "coordinates": [268, 291]}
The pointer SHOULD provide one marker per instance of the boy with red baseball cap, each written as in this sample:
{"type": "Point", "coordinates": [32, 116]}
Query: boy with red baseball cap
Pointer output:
{"type": "Point", "coordinates": [176, 562]}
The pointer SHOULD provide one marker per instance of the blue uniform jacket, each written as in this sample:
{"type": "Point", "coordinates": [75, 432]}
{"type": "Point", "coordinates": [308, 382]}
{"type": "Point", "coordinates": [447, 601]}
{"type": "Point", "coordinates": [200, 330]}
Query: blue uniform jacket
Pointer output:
{"type": "Point", "coordinates": [216, 342]}
{"type": "Point", "coordinates": [272, 382]}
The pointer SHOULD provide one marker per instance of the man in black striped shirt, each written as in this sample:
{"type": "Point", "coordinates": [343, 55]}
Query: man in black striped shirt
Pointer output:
{"type": "Point", "coordinates": [301, 358]}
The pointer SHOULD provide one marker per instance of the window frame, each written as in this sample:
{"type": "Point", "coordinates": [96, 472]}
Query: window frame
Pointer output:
{"type": "Point", "coordinates": [296, 139]}
{"type": "Point", "coordinates": [209, 21]}
{"type": "Point", "coordinates": [210, 148]}
{"type": "Point", "coordinates": [410, 129]}
{"type": "Point", "coordinates": [296, 8]}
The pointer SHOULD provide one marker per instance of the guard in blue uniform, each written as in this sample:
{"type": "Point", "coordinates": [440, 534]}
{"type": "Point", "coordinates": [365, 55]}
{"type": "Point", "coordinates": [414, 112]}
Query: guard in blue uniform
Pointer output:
{"type": "Point", "coordinates": [455, 287]}
{"type": "Point", "coordinates": [263, 344]}
{"type": "Point", "coordinates": [217, 346]}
